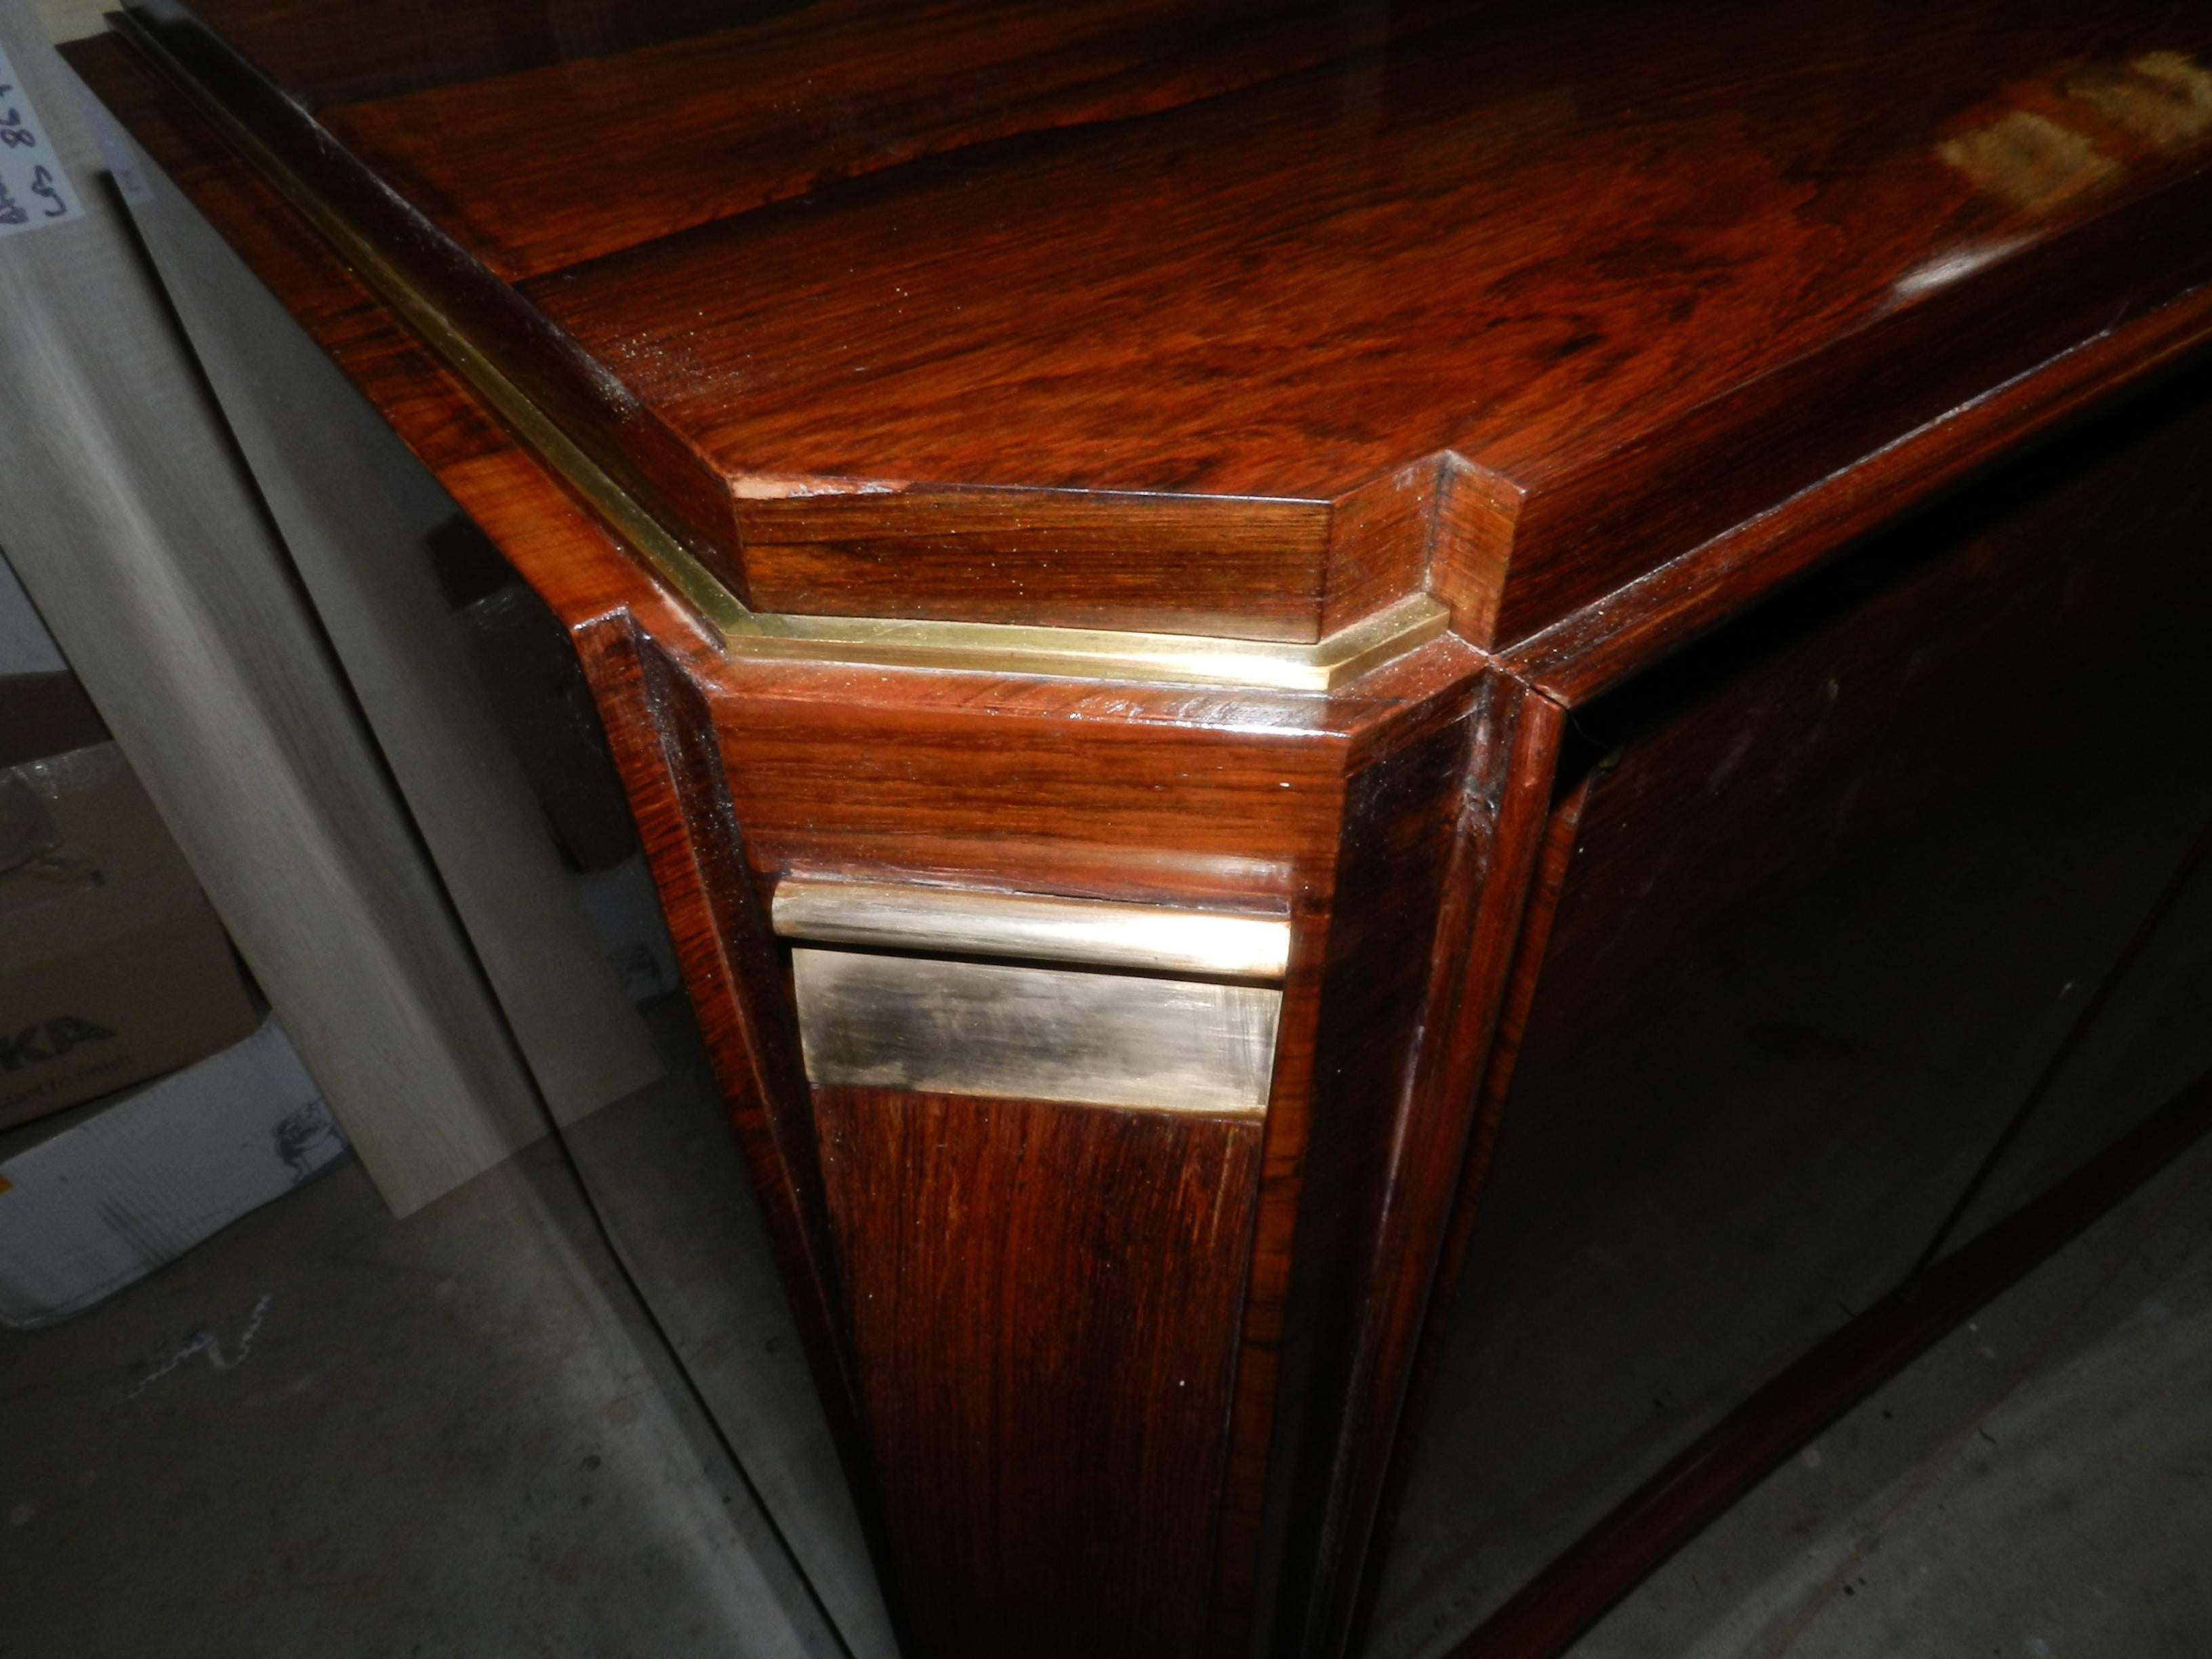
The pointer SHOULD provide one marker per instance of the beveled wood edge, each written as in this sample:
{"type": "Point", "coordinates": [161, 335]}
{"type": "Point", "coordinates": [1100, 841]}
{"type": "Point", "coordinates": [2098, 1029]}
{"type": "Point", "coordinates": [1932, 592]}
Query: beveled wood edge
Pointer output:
{"type": "Point", "coordinates": [1494, 1069]}
{"type": "Point", "coordinates": [568, 553]}
{"type": "Point", "coordinates": [1504, 791]}
{"type": "Point", "coordinates": [1496, 901]}
{"type": "Point", "coordinates": [1290, 1407]}
{"type": "Point", "coordinates": [1578, 1588]}
{"type": "Point", "coordinates": [1592, 649]}
{"type": "Point", "coordinates": [1601, 645]}
{"type": "Point", "coordinates": [996, 647]}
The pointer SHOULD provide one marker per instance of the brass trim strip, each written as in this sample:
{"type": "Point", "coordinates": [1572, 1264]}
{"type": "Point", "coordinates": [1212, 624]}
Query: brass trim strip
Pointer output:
{"type": "Point", "coordinates": [962, 922]}
{"type": "Point", "coordinates": [993, 647]}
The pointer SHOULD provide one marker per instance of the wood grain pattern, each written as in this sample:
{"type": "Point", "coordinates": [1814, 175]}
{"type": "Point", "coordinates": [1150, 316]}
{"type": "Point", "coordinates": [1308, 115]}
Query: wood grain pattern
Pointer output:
{"type": "Point", "coordinates": [1501, 829]}
{"type": "Point", "coordinates": [1335, 1140]}
{"type": "Point", "coordinates": [1611, 419]}
{"type": "Point", "coordinates": [1111, 790]}
{"type": "Point", "coordinates": [1239, 568]}
{"type": "Point", "coordinates": [1600, 648]}
{"type": "Point", "coordinates": [734, 101]}
{"type": "Point", "coordinates": [1645, 278]}
{"type": "Point", "coordinates": [1043, 1302]}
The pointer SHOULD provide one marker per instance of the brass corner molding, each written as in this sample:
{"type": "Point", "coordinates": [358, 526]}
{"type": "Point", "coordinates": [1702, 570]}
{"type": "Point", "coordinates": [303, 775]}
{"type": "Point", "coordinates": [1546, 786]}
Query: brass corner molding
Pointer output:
{"type": "Point", "coordinates": [987, 648]}
{"type": "Point", "coordinates": [967, 921]}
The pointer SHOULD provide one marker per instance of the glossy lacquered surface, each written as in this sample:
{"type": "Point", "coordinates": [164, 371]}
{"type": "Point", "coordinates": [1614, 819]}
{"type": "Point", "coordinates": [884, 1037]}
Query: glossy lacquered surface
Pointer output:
{"type": "Point", "coordinates": [1004, 1319]}
{"type": "Point", "coordinates": [1835, 885]}
{"type": "Point", "coordinates": [1246, 320]}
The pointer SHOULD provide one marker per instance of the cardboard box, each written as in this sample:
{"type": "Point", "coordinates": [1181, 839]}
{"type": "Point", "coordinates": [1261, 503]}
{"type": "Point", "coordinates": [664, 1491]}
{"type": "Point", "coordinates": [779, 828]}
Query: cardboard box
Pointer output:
{"type": "Point", "coordinates": [112, 965]}
{"type": "Point", "coordinates": [100, 1197]}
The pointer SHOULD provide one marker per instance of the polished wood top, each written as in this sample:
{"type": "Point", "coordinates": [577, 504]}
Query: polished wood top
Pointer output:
{"type": "Point", "coordinates": [1237, 318]}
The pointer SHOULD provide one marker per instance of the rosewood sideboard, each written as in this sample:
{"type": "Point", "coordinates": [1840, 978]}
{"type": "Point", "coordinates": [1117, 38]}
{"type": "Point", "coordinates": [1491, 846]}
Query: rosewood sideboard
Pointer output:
{"type": "Point", "coordinates": [1420, 768]}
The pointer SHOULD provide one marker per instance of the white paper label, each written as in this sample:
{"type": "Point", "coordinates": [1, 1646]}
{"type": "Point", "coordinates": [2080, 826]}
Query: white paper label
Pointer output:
{"type": "Point", "coordinates": [34, 192]}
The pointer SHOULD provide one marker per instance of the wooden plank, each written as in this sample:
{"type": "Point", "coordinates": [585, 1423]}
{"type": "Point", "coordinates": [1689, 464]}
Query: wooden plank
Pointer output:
{"type": "Point", "coordinates": [128, 520]}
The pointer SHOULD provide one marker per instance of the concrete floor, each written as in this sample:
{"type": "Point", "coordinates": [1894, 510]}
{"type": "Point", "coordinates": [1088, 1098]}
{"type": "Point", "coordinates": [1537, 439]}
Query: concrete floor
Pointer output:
{"type": "Point", "coordinates": [453, 1435]}
{"type": "Point", "coordinates": [459, 1435]}
{"type": "Point", "coordinates": [2039, 1483]}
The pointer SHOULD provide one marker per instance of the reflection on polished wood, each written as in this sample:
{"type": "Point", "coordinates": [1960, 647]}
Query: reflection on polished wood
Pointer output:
{"type": "Point", "coordinates": [1761, 452]}
{"type": "Point", "coordinates": [1351, 650]}
{"type": "Point", "coordinates": [1390, 324]}
{"type": "Point", "coordinates": [1820, 929]}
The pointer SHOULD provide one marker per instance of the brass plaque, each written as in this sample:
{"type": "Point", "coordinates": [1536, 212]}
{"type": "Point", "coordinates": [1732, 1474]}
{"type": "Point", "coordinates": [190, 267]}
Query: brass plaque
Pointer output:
{"type": "Point", "coordinates": [972, 1028]}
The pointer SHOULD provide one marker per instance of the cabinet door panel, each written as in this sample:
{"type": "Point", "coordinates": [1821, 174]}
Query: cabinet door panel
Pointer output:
{"type": "Point", "coordinates": [1844, 877]}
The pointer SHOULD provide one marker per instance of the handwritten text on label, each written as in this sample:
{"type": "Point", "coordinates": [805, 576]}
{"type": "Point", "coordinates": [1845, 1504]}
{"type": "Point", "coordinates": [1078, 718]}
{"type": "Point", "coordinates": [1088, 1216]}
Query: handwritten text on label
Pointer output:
{"type": "Point", "coordinates": [34, 192]}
